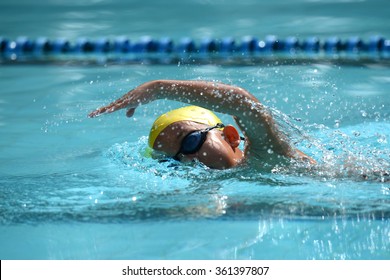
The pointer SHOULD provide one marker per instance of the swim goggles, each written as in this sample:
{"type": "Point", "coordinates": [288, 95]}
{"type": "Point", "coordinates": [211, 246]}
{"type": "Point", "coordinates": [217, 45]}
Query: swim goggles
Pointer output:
{"type": "Point", "coordinates": [194, 140]}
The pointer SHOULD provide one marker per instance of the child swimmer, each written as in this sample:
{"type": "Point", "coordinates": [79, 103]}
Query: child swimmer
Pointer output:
{"type": "Point", "coordinates": [195, 132]}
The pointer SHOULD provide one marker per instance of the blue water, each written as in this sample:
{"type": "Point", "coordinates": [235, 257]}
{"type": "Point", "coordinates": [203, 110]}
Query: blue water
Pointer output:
{"type": "Point", "coordinates": [79, 188]}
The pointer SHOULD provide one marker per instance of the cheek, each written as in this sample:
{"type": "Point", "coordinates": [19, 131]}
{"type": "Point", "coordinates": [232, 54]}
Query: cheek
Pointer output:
{"type": "Point", "coordinates": [217, 155]}
{"type": "Point", "coordinates": [166, 145]}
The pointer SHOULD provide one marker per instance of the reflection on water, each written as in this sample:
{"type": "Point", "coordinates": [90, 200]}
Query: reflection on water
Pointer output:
{"type": "Point", "coordinates": [82, 188]}
{"type": "Point", "coordinates": [329, 239]}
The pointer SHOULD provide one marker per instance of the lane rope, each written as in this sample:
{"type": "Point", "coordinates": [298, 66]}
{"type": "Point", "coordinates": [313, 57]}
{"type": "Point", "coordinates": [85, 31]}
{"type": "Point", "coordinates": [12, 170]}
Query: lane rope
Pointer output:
{"type": "Point", "coordinates": [25, 49]}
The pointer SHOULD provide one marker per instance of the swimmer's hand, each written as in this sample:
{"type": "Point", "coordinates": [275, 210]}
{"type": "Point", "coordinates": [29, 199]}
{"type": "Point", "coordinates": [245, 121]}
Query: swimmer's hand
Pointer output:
{"type": "Point", "coordinates": [299, 155]}
{"type": "Point", "coordinates": [131, 100]}
{"type": "Point", "coordinates": [119, 104]}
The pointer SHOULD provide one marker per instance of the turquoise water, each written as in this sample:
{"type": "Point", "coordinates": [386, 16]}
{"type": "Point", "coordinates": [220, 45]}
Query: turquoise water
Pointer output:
{"type": "Point", "coordinates": [79, 188]}
{"type": "Point", "coordinates": [194, 18]}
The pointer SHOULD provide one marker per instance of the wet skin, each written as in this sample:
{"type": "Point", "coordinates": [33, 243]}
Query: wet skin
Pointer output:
{"type": "Point", "coordinates": [216, 152]}
{"type": "Point", "coordinates": [265, 142]}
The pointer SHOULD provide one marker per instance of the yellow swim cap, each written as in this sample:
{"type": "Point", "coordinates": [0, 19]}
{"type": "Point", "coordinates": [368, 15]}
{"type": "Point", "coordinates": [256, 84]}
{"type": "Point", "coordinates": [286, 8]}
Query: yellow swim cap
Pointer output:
{"type": "Point", "coordinates": [189, 113]}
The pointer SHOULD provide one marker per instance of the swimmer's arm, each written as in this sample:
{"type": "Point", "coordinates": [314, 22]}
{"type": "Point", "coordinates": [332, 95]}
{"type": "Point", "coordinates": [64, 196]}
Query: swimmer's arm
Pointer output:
{"type": "Point", "coordinates": [253, 118]}
{"type": "Point", "coordinates": [214, 96]}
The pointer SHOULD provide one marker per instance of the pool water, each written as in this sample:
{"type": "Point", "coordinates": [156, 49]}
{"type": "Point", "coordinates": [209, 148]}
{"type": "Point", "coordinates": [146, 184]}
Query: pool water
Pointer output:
{"type": "Point", "coordinates": [78, 188]}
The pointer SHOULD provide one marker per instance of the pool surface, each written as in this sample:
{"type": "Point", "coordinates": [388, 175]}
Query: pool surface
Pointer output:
{"type": "Point", "coordinates": [78, 188]}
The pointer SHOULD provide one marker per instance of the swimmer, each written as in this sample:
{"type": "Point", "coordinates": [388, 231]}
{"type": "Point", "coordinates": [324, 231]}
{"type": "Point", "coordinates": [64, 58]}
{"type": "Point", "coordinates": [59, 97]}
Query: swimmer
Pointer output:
{"type": "Point", "coordinates": [196, 133]}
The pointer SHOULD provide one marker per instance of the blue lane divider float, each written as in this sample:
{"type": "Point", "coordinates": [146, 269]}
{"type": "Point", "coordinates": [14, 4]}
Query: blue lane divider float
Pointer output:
{"type": "Point", "coordinates": [24, 47]}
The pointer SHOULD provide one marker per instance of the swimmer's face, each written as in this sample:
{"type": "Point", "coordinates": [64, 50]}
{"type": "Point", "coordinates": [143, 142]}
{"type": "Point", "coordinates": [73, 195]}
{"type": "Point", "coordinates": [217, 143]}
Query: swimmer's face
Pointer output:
{"type": "Point", "coordinates": [215, 152]}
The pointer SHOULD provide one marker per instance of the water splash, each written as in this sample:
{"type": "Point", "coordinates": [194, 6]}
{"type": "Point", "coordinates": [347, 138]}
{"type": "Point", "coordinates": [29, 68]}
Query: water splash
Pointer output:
{"type": "Point", "coordinates": [357, 152]}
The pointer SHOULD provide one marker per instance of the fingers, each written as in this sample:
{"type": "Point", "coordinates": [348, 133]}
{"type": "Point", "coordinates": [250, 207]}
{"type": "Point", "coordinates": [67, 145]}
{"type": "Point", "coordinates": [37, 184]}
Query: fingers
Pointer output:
{"type": "Point", "coordinates": [124, 102]}
{"type": "Point", "coordinates": [130, 112]}
{"type": "Point", "coordinates": [302, 156]}
{"type": "Point", "coordinates": [110, 109]}
{"type": "Point", "coordinates": [117, 105]}
{"type": "Point", "coordinates": [95, 113]}
{"type": "Point", "coordinates": [99, 111]}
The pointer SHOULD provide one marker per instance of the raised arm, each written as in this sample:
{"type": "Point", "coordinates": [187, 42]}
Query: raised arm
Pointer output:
{"type": "Point", "coordinates": [256, 122]}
